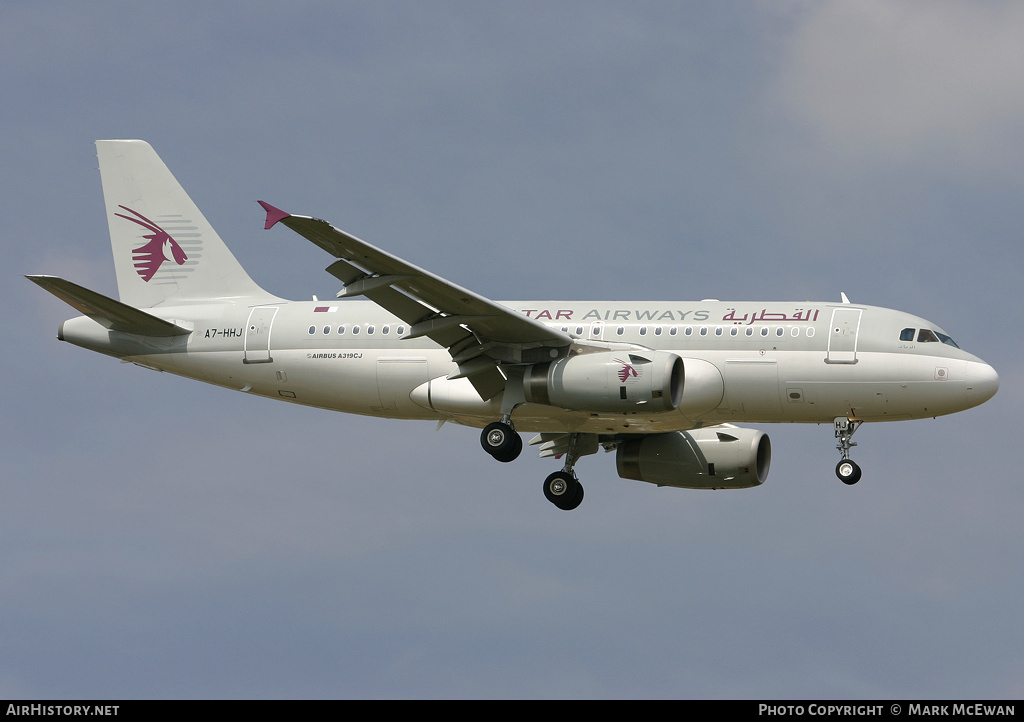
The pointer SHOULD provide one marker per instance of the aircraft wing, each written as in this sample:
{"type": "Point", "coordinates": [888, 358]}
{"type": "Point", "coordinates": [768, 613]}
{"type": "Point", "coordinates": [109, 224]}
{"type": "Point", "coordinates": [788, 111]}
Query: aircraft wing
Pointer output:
{"type": "Point", "coordinates": [479, 333]}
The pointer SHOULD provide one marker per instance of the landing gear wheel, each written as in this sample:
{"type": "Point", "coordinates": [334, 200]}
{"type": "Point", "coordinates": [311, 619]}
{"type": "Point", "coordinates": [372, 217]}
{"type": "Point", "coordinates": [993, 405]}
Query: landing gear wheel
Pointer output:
{"type": "Point", "coordinates": [501, 441]}
{"type": "Point", "coordinates": [848, 471]}
{"type": "Point", "coordinates": [513, 453]}
{"type": "Point", "coordinates": [563, 490]}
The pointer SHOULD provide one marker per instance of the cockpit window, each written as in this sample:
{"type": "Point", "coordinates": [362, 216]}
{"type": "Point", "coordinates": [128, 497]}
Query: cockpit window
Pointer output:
{"type": "Point", "coordinates": [927, 336]}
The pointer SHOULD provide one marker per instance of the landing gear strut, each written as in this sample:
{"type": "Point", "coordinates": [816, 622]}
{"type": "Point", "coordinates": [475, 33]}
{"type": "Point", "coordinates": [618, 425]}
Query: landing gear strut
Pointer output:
{"type": "Point", "coordinates": [847, 470]}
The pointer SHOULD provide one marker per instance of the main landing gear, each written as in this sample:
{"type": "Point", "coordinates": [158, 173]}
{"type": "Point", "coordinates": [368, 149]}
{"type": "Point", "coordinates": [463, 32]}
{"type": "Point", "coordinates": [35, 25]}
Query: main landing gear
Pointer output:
{"type": "Point", "coordinates": [847, 469]}
{"type": "Point", "coordinates": [501, 441]}
{"type": "Point", "coordinates": [563, 489]}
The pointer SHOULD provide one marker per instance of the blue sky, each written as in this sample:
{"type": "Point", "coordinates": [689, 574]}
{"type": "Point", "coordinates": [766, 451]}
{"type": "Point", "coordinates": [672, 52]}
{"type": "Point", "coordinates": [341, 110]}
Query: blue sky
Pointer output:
{"type": "Point", "coordinates": [160, 538]}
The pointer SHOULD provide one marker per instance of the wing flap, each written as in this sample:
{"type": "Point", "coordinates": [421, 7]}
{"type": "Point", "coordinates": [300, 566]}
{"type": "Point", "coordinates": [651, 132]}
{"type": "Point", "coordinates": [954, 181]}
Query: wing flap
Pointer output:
{"type": "Point", "coordinates": [557, 445]}
{"type": "Point", "coordinates": [416, 314]}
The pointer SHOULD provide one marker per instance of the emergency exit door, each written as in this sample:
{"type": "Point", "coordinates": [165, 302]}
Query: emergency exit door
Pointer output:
{"type": "Point", "coordinates": [257, 335]}
{"type": "Point", "coordinates": [842, 336]}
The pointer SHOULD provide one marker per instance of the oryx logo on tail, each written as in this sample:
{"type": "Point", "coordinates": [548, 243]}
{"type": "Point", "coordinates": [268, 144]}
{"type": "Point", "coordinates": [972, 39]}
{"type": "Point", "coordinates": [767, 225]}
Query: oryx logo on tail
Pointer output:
{"type": "Point", "coordinates": [161, 247]}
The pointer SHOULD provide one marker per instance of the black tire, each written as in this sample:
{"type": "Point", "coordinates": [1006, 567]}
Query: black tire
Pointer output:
{"type": "Point", "coordinates": [563, 490]}
{"type": "Point", "coordinates": [848, 471]}
{"type": "Point", "coordinates": [501, 441]}
{"type": "Point", "coordinates": [576, 500]}
{"type": "Point", "coordinates": [513, 453]}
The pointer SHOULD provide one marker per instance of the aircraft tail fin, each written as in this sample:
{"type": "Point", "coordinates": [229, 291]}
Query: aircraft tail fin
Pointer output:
{"type": "Point", "coordinates": [165, 251]}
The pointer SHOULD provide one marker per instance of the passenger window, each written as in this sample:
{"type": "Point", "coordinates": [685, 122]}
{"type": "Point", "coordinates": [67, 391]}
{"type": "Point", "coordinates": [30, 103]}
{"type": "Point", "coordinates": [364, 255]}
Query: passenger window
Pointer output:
{"type": "Point", "coordinates": [327, 330]}
{"type": "Point", "coordinates": [750, 331]}
{"type": "Point", "coordinates": [385, 330]}
{"type": "Point", "coordinates": [703, 330]}
{"type": "Point", "coordinates": [926, 336]}
{"type": "Point", "coordinates": [657, 330]}
{"type": "Point", "coordinates": [312, 330]}
{"type": "Point", "coordinates": [907, 334]}
{"type": "Point", "coordinates": [341, 330]}
{"type": "Point", "coordinates": [400, 330]}
{"type": "Point", "coordinates": [734, 331]}
{"type": "Point", "coordinates": [673, 331]}
{"type": "Point", "coordinates": [369, 329]}
{"type": "Point", "coordinates": [619, 331]}
{"type": "Point", "coordinates": [643, 330]}
{"type": "Point", "coordinates": [779, 331]}
{"type": "Point", "coordinates": [764, 330]}
{"type": "Point", "coordinates": [355, 330]}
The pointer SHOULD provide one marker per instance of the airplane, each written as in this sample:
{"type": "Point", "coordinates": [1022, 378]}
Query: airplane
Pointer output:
{"type": "Point", "coordinates": [660, 384]}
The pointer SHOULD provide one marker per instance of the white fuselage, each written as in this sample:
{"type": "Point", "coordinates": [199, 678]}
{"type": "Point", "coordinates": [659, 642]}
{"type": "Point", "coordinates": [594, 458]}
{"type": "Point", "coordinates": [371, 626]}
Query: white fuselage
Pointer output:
{"type": "Point", "coordinates": [660, 383]}
{"type": "Point", "coordinates": [744, 362]}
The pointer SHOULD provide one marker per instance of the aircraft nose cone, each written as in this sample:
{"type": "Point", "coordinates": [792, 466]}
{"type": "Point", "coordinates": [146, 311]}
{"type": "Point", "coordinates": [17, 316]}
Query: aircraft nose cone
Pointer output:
{"type": "Point", "coordinates": [982, 382]}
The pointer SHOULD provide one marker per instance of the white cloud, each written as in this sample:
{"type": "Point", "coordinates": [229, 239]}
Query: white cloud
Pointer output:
{"type": "Point", "coordinates": [881, 80]}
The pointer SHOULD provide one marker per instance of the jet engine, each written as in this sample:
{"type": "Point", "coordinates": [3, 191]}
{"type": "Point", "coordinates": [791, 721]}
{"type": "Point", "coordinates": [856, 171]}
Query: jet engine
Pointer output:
{"type": "Point", "coordinates": [717, 457]}
{"type": "Point", "coordinates": [615, 381]}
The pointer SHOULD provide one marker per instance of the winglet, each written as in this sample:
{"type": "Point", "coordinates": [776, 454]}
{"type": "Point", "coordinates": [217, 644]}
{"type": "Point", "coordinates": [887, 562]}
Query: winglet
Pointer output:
{"type": "Point", "coordinates": [273, 215]}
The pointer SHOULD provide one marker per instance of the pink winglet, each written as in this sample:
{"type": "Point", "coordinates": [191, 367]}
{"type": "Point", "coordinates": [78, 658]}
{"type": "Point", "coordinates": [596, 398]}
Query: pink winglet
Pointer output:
{"type": "Point", "coordinates": [273, 215]}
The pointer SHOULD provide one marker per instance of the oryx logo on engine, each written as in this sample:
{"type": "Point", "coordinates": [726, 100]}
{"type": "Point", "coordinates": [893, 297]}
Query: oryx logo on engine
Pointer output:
{"type": "Point", "coordinates": [626, 371]}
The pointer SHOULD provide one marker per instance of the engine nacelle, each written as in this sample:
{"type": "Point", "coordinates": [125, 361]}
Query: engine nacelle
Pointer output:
{"type": "Point", "coordinates": [704, 388]}
{"type": "Point", "coordinates": [717, 457]}
{"type": "Point", "coordinates": [615, 381]}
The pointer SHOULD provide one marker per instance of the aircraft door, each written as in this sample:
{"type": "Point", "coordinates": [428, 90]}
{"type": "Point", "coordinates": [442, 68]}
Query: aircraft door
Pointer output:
{"type": "Point", "coordinates": [257, 335]}
{"type": "Point", "coordinates": [842, 336]}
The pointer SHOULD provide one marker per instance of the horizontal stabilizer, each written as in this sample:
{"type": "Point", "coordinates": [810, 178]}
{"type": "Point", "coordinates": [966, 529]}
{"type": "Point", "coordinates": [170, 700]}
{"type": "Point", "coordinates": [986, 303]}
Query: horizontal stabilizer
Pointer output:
{"type": "Point", "coordinates": [106, 311]}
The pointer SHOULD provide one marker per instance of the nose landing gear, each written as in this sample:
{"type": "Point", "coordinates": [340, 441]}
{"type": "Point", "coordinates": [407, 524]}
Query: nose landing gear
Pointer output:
{"type": "Point", "coordinates": [847, 470]}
